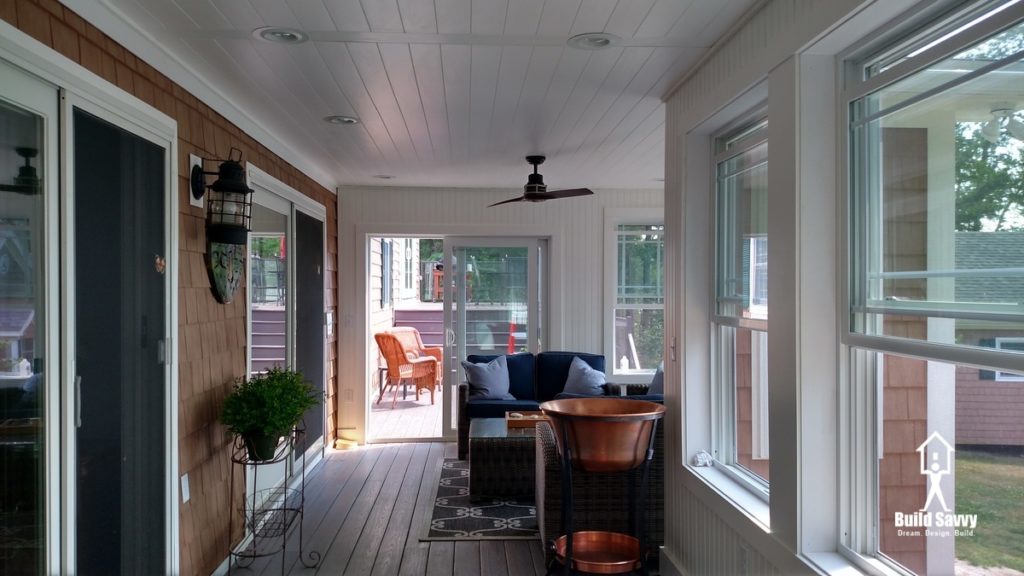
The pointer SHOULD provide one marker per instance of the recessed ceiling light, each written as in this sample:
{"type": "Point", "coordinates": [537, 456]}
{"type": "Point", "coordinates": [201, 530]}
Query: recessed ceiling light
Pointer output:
{"type": "Point", "coordinates": [345, 120]}
{"type": "Point", "coordinates": [593, 40]}
{"type": "Point", "coordinates": [280, 35]}
{"type": "Point", "coordinates": [383, 176]}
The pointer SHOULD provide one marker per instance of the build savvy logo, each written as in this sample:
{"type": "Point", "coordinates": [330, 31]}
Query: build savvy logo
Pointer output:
{"type": "Point", "coordinates": [935, 518]}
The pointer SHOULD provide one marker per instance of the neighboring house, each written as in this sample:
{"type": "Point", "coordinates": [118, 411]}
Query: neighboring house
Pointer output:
{"type": "Point", "coordinates": [989, 404]}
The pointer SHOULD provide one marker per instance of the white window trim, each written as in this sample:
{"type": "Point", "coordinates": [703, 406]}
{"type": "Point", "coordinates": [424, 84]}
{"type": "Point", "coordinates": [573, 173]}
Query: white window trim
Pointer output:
{"type": "Point", "coordinates": [409, 271]}
{"type": "Point", "coordinates": [1002, 376]}
{"type": "Point", "coordinates": [613, 218]}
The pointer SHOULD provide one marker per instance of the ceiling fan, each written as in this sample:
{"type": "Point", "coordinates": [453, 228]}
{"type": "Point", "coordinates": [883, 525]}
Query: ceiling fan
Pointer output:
{"type": "Point", "coordinates": [536, 191]}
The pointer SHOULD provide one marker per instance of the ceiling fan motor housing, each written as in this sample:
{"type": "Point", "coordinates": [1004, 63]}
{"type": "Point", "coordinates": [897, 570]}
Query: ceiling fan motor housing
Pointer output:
{"type": "Point", "coordinates": [535, 184]}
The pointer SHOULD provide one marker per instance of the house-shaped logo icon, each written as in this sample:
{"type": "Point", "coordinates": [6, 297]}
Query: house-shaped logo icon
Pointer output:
{"type": "Point", "coordinates": [936, 462]}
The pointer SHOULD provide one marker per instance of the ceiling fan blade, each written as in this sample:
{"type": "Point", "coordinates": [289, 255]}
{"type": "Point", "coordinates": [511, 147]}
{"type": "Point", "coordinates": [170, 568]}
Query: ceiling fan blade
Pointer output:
{"type": "Point", "coordinates": [519, 199]}
{"type": "Point", "coordinates": [569, 193]}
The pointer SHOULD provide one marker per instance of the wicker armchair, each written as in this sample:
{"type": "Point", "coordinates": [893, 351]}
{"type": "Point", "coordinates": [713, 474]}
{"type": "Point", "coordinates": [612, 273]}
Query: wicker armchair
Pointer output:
{"type": "Point", "coordinates": [413, 344]}
{"type": "Point", "coordinates": [600, 501]}
{"type": "Point", "coordinates": [402, 366]}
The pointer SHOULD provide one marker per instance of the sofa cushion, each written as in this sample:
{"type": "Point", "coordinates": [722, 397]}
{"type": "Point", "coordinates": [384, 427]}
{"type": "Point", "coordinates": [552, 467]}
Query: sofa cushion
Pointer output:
{"type": "Point", "coordinates": [497, 408]}
{"type": "Point", "coordinates": [583, 379]}
{"type": "Point", "coordinates": [553, 370]}
{"type": "Point", "coordinates": [658, 382]}
{"type": "Point", "coordinates": [520, 372]}
{"type": "Point", "coordinates": [488, 381]}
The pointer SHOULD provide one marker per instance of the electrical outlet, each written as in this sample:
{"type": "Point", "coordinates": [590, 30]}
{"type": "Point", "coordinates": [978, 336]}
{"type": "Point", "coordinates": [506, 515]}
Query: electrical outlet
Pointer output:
{"type": "Point", "coordinates": [193, 161]}
{"type": "Point", "coordinates": [184, 488]}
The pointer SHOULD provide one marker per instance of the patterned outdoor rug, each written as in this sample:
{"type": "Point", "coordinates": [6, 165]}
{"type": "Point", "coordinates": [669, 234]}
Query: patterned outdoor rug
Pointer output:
{"type": "Point", "coordinates": [456, 518]}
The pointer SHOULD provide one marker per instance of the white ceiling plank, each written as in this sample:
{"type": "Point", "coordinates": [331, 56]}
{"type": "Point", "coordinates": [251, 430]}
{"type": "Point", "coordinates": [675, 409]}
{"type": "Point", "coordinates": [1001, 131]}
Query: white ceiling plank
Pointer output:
{"type": "Point", "coordinates": [515, 61]}
{"type": "Point", "coordinates": [727, 13]}
{"type": "Point", "coordinates": [402, 77]}
{"type": "Point", "coordinates": [602, 99]}
{"type": "Point", "coordinates": [453, 16]}
{"type": "Point", "coordinates": [488, 16]}
{"type": "Point", "coordinates": [347, 15]}
{"type": "Point", "coordinates": [523, 18]}
{"type": "Point", "coordinates": [312, 15]}
{"type": "Point", "coordinates": [418, 16]}
{"type": "Point", "coordinates": [593, 16]}
{"type": "Point", "coordinates": [662, 18]}
{"type": "Point", "coordinates": [627, 17]}
{"type": "Point", "coordinates": [599, 65]}
{"type": "Point", "coordinates": [457, 66]}
{"type": "Point", "coordinates": [170, 16]}
{"type": "Point", "coordinates": [539, 75]}
{"type": "Point", "coordinates": [426, 60]}
{"type": "Point", "coordinates": [641, 87]}
{"type": "Point", "coordinates": [383, 15]}
{"type": "Point", "coordinates": [205, 14]}
{"type": "Point", "coordinates": [486, 61]}
{"type": "Point", "coordinates": [242, 15]}
{"type": "Point", "coordinates": [275, 13]}
{"type": "Point", "coordinates": [558, 17]}
{"type": "Point", "coordinates": [438, 106]}
{"type": "Point", "coordinates": [371, 69]}
{"type": "Point", "coordinates": [338, 60]}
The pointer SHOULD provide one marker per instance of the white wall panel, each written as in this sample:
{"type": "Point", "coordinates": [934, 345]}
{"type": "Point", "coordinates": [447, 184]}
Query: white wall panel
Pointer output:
{"type": "Point", "coordinates": [575, 226]}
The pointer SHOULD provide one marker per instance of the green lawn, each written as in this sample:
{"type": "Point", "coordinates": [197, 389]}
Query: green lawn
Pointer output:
{"type": "Point", "coordinates": [991, 486]}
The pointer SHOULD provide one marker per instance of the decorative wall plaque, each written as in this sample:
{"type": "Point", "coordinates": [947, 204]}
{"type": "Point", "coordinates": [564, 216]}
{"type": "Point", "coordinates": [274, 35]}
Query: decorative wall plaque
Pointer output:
{"type": "Point", "coordinates": [225, 264]}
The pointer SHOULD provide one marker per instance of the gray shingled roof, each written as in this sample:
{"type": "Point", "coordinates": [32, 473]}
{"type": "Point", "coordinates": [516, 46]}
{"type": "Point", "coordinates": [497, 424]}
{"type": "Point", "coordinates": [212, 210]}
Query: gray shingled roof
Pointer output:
{"type": "Point", "coordinates": [989, 250]}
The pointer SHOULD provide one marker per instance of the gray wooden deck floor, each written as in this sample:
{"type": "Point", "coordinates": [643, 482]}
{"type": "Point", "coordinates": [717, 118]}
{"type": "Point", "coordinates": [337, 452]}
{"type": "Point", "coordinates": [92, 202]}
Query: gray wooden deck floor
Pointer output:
{"type": "Point", "coordinates": [366, 510]}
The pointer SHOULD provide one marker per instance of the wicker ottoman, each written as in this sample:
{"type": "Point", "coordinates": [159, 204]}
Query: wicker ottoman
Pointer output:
{"type": "Point", "coordinates": [501, 460]}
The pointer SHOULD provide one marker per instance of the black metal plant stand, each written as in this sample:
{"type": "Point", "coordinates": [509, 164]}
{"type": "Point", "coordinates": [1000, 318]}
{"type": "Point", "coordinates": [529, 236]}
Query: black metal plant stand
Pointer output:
{"type": "Point", "coordinates": [270, 515]}
{"type": "Point", "coordinates": [637, 504]}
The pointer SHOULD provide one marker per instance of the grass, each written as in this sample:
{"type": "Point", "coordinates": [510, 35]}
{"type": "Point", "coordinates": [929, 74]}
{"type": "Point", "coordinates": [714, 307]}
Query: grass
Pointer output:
{"type": "Point", "coordinates": [991, 486]}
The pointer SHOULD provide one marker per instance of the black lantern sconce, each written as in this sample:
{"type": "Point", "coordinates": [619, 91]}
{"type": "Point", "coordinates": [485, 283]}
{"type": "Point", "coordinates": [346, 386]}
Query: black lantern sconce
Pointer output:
{"type": "Point", "coordinates": [229, 205]}
{"type": "Point", "coordinates": [228, 216]}
{"type": "Point", "coordinates": [27, 180]}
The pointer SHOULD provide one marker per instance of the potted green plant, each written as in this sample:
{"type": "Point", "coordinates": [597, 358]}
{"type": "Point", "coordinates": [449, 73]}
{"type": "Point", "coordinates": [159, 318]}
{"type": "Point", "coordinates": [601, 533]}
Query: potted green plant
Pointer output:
{"type": "Point", "coordinates": [265, 407]}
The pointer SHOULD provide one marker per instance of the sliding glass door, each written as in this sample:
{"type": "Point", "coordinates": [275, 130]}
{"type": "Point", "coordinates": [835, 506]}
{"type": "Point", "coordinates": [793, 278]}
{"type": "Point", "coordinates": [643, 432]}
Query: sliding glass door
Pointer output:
{"type": "Point", "coordinates": [492, 304]}
{"type": "Point", "coordinates": [29, 426]}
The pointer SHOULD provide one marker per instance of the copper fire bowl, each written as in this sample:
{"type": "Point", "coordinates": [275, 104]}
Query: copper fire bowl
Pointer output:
{"type": "Point", "coordinates": [604, 434]}
{"type": "Point", "coordinates": [601, 552]}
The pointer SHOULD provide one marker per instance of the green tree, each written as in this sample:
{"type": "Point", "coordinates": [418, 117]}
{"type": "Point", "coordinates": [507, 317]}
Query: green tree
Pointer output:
{"type": "Point", "coordinates": [989, 186]}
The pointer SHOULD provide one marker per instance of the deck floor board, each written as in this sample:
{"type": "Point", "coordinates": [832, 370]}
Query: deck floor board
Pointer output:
{"type": "Point", "coordinates": [366, 510]}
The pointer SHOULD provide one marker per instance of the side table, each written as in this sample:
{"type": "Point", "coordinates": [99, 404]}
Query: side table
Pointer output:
{"type": "Point", "coordinates": [502, 460]}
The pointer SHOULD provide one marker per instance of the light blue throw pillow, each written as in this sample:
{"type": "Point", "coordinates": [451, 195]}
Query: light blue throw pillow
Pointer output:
{"type": "Point", "coordinates": [488, 381]}
{"type": "Point", "coordinates": [657, 385]}
{"type": "Point", "coordinates": [583, 379]}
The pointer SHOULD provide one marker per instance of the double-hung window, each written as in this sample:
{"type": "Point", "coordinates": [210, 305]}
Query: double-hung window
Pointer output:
{"type": "Point", "coordinates": [936, 295]}
{"type": "Point", "coordinates": [740, 320]}
{"type": "Point", "coordinates": [639, 306]}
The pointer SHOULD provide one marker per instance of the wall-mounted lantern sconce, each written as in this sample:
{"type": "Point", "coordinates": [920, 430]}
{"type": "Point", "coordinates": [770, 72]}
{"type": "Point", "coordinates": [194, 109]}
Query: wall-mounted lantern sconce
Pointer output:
{"type": "Point", "coordinates": [228, 215]}
{"type": "Point", "coordinates": [27, 181]}
{"type": "Point", "coordinates": [229, 206]}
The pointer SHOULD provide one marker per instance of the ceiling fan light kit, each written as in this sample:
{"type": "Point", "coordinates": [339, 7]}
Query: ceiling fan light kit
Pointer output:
{"type": "Point", "coordinates": [536, 191]}
{"type": "Point", "coordinates": [1002, 111]}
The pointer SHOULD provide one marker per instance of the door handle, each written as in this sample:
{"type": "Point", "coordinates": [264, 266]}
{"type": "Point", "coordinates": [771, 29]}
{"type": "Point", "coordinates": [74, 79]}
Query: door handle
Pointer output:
{"type": "Point", "coordinates": [449, 337]}
{"type": "Point", "coordinates": [78, 401]}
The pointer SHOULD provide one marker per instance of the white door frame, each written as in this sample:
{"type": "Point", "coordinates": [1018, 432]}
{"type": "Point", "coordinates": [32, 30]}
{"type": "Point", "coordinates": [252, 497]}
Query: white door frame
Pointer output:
{"type": "Point", "coordinates": [87, 91]}
{"type": "Point", "coordinates": [275, 195]}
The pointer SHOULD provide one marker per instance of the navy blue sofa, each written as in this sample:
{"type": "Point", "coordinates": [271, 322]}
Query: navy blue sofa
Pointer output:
{"type": "Point", "coordinates": [532, 380]}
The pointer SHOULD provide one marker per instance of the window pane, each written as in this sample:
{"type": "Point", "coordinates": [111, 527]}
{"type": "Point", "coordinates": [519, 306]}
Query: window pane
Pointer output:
{"type": "Point", "coordinates": [951, 438]}
{"type": "Point", "coordinates": [742, 234]}
{"type": "Point", "coordinates": [938, 208]}
{"type": "Point", "coordinates": [639, 340]}
{"type": "Point", "coordinates": [751, 415]}
{"type": "Point", "coordinates": [639, 263]}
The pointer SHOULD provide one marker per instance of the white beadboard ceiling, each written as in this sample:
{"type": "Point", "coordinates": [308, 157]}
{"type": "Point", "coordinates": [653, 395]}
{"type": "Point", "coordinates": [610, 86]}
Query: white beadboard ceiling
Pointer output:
{"type": "Point", "coordinates": [449, 92]}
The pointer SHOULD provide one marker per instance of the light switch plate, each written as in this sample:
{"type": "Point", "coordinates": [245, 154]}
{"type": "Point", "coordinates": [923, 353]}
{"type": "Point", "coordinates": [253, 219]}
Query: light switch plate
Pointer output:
{"type": "Point", "coordinates": [194, 160]}
{"type": "Point", "coordinates": [184, 488]}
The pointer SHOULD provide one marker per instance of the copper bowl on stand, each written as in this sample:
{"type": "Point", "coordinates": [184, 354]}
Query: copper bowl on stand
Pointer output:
{"type": "Point", "coordinates": [604, 434]}
{"type": "Point", "coordinates": [598, 552]}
